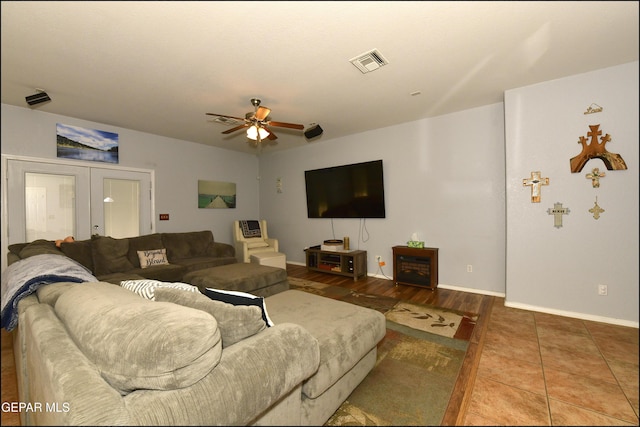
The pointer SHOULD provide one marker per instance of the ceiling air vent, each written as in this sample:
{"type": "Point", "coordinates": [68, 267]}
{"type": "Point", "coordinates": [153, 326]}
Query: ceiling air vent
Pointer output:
{"type": "Point", "coordinates": [369, 61]}
{"type": "Point", "coordinates": [226, 120]}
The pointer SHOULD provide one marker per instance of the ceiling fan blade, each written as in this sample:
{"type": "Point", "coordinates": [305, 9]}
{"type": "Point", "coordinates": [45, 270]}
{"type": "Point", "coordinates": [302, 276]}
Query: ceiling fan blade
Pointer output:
{"type": "Point", "coordinates": [235, 128]}
{"type": "Point", "coordinates": [224, 115]}
{"type": "Point", "coordinates": [286, 125]}
{"type": "Point", "coordinates": [262, 113]}
{"type": "Point", "coordinates": [272, 136]}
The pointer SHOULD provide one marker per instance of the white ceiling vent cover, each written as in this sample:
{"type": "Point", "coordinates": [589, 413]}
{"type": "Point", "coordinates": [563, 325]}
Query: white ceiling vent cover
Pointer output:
{"type": "Point", "coordinates": [226, 121]}
{"type": "Point", "coordinates": [369, 61]}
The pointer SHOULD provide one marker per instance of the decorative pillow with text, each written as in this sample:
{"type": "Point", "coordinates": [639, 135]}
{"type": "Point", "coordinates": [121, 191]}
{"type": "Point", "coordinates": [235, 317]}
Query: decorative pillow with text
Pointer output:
{"type": "Point", "coordinates": [153, 257]}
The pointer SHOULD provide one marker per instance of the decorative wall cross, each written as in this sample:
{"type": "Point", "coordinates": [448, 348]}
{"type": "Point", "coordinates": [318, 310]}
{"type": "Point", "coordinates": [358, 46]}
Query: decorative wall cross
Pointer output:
{"type": "Point", "coordinates": [596, 150]}
{"type": "Point", "coordinates": [557, 213]}
{"type": "Point", "coordinates": [535, 182]}
{"type": "Point", "coordinates": [596, 210]}
{"type": "Point", "coordinates": [595, 176]}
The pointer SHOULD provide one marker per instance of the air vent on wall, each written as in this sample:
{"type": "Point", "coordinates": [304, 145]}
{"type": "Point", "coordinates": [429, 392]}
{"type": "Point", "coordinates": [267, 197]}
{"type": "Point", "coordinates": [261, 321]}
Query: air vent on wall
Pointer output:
{"type": "Point", "coordinates": [369, 61]}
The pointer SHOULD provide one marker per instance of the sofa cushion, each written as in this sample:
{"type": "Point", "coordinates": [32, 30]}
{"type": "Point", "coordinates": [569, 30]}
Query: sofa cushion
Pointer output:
{"type": "Point", "coordinates": [235, 322]}
{"type": "Point", "coordinates": [15, 248]}
{"type": "Point", "coordinates": [188, 244]}
{"type": "Point", "coordinates": [40, 247]}
{"type": "Point", "coordinates": [80, 250]}
{"type": "Point", "coordinates": [239, 299]}
{"type": "Point", "coordinates": [345, 332]}
{"type": "Point", "coordinates": [254, 243]}
{"type": "Point", "coordinates": [143, 243]}
{"type": "Point", "coordinates": [200, 263]}
{"type": "Point", "coordinates": [49, 294]}
{"type": "Point", "coordinates": [137, 343]}
{"type": "Point", "coordinates": [239, 276]}
{"type": "Point", "coordinates": [110, 255]}
{"type": "Point", "coordinates": [146, 288]}
{"type": "Point", "coordinates": [116, 278]}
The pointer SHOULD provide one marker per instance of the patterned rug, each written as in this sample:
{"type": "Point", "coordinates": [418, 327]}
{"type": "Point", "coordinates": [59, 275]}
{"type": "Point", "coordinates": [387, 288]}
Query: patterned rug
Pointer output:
{"type": "Point", "coordinates": [417, 365]}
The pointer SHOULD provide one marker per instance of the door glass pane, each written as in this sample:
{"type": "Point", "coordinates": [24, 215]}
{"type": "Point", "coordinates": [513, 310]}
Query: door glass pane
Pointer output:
{"type": "Point", "coordinates": [121, 207]}
{"type": "Point", "coordinates": [49, 206]}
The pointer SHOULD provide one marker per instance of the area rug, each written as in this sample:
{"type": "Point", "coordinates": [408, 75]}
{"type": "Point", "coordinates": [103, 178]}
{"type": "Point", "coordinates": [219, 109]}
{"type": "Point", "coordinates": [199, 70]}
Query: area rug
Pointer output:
{"type": "Point", "coordinates": [417, 364]}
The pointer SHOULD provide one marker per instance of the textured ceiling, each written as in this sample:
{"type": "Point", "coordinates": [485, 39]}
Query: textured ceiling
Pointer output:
{"type": "Point", "coordinates": [158, 67]}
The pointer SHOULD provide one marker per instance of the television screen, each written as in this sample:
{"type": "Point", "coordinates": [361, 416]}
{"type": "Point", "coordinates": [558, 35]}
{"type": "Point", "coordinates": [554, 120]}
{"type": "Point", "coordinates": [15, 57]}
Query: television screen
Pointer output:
{"type": "Point", "coordinates": [348, 191]}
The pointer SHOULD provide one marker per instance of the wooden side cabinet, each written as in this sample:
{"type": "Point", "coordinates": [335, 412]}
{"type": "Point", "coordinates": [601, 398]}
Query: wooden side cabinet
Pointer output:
{"type": "Point", "coordinates": [344, 263]}
{"type": "Point", "coordinates": [415, 266]}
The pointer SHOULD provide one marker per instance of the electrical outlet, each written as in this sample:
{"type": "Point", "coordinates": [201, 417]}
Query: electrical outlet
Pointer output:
{"type": "Point", "coordinates": [469, 268]}
{"type": "Point", "coordinates": [602, 290]}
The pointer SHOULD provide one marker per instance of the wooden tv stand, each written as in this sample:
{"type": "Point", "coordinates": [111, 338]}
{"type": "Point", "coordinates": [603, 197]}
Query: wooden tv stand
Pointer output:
{"type": "Point", "coordinates": [344, 263]}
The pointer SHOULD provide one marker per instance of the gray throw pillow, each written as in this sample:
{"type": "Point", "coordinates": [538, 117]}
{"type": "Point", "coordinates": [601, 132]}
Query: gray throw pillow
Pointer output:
{"type": "Point", "coordinates": [235, 322]}
{"type": "Point", "coordinates": [136, 343]}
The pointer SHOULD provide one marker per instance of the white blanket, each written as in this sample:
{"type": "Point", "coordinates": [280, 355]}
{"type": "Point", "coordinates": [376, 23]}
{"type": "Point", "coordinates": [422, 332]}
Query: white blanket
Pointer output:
{"type": "Point", "coordinates": [24, 277]}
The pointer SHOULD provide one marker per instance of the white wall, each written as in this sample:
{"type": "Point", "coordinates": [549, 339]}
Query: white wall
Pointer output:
{"type": "Point", "coordinates": [178, 166]}
{"type": "Point", "coordinates": [558, 269]}
{"type": "Point", "coordinates": [444, 180]}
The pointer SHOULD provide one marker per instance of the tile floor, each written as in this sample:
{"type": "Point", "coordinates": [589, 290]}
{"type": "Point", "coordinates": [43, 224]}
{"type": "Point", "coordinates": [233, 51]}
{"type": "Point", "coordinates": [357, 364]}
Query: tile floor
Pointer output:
{"type": "Point", "coordinates": [542, 369]}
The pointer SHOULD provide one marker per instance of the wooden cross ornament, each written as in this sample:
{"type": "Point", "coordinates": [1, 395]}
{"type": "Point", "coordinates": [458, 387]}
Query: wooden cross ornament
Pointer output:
{"type": "Point", "coordinates": [535, 182]}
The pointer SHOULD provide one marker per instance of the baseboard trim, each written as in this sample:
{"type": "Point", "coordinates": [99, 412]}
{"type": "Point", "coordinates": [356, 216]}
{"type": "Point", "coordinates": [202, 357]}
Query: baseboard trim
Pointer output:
{"type": "Point", "coordinates": [471, 290]}
{"type": "Point", "coordinates": [583, 316]}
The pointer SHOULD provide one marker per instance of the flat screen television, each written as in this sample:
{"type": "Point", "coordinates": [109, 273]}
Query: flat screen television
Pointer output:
{"type": "Point", "coordinates": [348, 191]}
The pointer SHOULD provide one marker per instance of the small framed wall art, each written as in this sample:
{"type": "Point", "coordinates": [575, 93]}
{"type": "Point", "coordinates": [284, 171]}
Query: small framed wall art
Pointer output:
{"type": "Point", "coordinates": [216, 194]}
{"type": "Point", "coordinates": [79, 143]}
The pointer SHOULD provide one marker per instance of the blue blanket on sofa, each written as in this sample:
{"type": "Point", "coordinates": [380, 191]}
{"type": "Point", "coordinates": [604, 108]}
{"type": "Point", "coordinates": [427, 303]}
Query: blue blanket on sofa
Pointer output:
{"type": "Point", "coordinates": [24, 277]}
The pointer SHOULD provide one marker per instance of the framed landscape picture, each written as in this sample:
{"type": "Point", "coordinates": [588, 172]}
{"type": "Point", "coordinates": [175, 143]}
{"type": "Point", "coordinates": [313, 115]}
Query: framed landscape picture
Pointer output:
{"type": "Point", "coordinates": [216, 194]}
{"type": "Point", "coordinates": [94, 145]}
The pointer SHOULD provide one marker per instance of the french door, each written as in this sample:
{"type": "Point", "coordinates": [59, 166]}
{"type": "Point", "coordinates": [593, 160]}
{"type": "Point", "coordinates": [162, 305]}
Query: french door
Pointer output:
{"type": "Point", "coordinates": [51, 200]}
{"type": "Point", "coordinates": [120, 203]}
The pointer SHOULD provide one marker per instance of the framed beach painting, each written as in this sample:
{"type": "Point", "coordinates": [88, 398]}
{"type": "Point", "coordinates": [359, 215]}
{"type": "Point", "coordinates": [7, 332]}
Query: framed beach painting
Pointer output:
{"type": "Point", "coordinates": [93, 145]}
{"type": "Point", "coordinates": [216, 194]}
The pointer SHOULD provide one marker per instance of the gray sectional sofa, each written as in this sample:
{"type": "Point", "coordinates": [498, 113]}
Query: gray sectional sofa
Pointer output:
{"type": "Point", "coordinates": [91, 352]}
{"type": "Point", "coordinates": [102, 355]}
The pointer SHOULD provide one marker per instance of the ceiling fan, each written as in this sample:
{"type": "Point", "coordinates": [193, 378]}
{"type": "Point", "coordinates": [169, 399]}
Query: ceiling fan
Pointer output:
{"type": "Point", "coordinates": [257, 123]}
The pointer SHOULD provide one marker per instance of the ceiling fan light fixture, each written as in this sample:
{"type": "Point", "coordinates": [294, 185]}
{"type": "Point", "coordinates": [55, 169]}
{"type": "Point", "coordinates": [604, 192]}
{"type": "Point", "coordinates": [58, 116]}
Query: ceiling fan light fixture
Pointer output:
{"type": "Point", "coordinates": [252, 132]}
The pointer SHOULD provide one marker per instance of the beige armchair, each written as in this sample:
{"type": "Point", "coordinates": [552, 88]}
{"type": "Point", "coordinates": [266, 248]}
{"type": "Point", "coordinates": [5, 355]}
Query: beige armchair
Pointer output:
{"type": "Point", "coordinates": [251, 237]}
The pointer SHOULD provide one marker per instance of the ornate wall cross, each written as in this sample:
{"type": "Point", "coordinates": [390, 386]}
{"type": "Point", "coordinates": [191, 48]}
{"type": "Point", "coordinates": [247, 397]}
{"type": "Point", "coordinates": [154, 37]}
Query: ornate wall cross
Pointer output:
{"type": "Point", "coordinates": [557, 213]}
{"type": "Point", "coordinates": [595, 176]}
{"type": "Point", "coordinates": [596, 210]}
{"type": "Point", "coordinates": [596, 150]}
{"type": "Point", "coordinates": [535, 182]}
